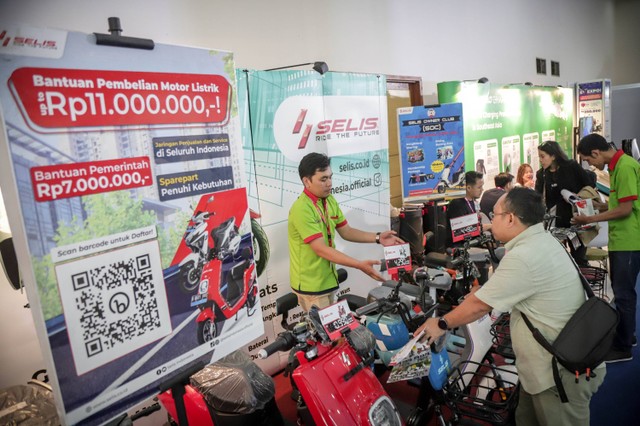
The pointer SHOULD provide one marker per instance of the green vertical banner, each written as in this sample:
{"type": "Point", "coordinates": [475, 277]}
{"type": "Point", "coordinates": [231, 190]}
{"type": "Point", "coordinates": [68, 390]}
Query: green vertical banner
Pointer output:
{"type": "Point", "coordinates": [288, 114]}
{"type": "Point", "coordinates": [504, 124]}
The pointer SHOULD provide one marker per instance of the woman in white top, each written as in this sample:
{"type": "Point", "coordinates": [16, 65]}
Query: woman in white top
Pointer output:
{"type": "Point", "coordinates": [525, 176]}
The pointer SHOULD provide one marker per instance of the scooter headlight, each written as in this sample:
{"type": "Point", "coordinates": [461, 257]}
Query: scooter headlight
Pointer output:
{"type": "Point", "coordinates": [384, 413]}
{"type": "Point", "coordinates": [204, 286]}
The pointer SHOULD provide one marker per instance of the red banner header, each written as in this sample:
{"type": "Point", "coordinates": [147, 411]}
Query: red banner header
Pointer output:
{"type": "Point", "coordinates": [54, 98]}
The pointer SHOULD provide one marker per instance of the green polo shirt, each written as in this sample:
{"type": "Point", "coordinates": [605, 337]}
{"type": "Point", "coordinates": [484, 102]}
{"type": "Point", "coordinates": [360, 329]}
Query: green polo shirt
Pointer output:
{"type": "Point", "coordinates": [624, 171]}
{"type": "Point", "coordinates": [310, 218]}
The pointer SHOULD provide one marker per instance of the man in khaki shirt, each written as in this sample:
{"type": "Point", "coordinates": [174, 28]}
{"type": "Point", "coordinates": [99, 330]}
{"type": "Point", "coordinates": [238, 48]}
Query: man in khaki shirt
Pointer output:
{"type": "Point", "coordinates": [536, 277]}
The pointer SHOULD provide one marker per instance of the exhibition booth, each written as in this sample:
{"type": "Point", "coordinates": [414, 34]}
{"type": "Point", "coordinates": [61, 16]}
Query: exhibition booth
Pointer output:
{"type": "Point", "coordinates": [148, 188]}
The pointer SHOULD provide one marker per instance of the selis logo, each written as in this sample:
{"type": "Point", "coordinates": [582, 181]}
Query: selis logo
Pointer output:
{"type": "Point", "coordinates": [341, 125]}
{"type": "Point", "coordinates": [21, 41]}
{"type": "Point", "coordinates": [326, 127]}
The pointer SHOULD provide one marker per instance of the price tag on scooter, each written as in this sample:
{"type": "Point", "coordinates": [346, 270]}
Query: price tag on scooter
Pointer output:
{"type": "Point", "coordinates": [465, 226]}
{"type": "Point", "coordinates": [397, 257]}
{"type": "Point", "coordinates": [336, 318]}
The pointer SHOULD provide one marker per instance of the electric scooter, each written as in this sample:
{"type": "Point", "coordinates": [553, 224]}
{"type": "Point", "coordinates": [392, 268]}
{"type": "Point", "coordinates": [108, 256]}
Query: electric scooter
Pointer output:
{"type": "Point", "coordinates": [402, 306]}
{"type": "Point", "coordinates": [462, 264]}
{"type": "Point", "coordinates": [448, 181]}
{"type": "Point", "coordinates": [228, 282]}
{"type": "Point", "coordinates": [463, 374]}
{"type": "Point", "coordinates": [233, 391]}
{"type": "Point", "coordinates": [196, 238]}
{"type": "Point", "coordinates": [333, 378]}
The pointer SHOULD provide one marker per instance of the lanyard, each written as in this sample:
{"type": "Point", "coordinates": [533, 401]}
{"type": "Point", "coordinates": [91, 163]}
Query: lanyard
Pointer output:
{"type": "Point", "coordinates": [472, 208]}
{"type": "Point", "coordinates": [323, 216]}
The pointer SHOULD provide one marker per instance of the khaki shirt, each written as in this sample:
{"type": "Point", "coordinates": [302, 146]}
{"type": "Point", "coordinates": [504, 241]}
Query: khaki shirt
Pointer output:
{"type": "Point", "coordinates": [537, 277]}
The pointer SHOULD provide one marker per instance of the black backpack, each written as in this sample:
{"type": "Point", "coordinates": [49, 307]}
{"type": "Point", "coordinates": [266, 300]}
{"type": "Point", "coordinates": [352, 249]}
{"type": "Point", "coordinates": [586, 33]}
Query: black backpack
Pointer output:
{"type": "Point", "coordinates": [584, 341]}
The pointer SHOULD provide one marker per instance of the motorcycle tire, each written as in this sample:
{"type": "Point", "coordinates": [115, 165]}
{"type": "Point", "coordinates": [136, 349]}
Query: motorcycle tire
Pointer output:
{"type": "Point", "coordinates": [190, 279]}
{"type": "Point", "coordinates": [260, 247]}
{"type": "Point", "coordinates": [419, 417]}
{"type": "Point", "coordinates": [441, 189]}
{"type": "Point", "coordinates": [207, 331]}
{"type": "Point", "coordinates": [251, 299]}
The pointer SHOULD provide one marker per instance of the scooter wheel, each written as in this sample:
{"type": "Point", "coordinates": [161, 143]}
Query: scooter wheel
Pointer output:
{"type": "Point", "coordinates": [260, 246]}
{"type": "Point", "coordinates": [418, 417]}
{"type": "Point", "coordinates": [190, 278]}
{"type": "Point", "coordinates": [207, 331]}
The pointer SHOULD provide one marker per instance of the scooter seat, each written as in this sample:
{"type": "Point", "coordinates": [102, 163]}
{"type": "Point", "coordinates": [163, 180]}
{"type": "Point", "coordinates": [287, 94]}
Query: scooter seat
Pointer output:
{"type": "Point", "coordinates": [438, 259]}
{"type": "Point", "coordinates": [440, 280]}
{"type": "Point", "coordinates": [477, 254]}
{"type": "Point", "coordinates": [286, 303]}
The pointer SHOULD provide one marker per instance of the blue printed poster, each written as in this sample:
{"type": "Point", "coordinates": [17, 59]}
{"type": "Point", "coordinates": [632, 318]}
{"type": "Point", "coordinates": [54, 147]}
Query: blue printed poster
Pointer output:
{"type": "Point", "coordinates": [431, 150]}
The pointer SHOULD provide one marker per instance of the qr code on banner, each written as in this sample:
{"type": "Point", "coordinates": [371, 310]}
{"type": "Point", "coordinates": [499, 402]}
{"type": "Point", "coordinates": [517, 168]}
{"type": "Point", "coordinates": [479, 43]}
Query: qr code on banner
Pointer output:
{"type": "Point", "coordinates": [114, 303]}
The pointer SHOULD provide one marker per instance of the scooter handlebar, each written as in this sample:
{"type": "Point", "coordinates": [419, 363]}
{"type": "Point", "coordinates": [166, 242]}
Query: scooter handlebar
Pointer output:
{"type": "Point", "coordinates": [367, 309]}
{"type": "Point", "coordinates": [283, 342]}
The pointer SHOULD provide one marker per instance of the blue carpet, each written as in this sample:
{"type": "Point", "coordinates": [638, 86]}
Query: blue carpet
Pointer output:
{"type": "Point", "coordinates": [618, 399]}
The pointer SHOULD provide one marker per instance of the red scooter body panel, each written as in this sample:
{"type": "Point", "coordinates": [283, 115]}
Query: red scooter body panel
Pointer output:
{"type": "Point", "coordinates": [332, 400]}
{"type": "Point", "coordinates": [194, 404]}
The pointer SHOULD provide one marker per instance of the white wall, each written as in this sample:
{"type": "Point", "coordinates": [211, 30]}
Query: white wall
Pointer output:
{"type": "Point", "coordinates": [438, 41]}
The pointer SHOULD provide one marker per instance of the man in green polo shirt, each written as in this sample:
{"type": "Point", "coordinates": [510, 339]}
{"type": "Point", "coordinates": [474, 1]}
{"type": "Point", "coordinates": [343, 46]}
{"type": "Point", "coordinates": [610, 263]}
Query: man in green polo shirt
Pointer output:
{"type": "Point", "coordinates": [314, 219]}
{"type": "Point", "coordinates": [624, 234]}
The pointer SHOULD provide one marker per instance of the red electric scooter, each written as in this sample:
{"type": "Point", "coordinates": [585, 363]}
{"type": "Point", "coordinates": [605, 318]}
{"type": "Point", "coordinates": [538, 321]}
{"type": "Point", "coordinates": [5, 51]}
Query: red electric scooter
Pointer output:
{"type": "Point", "coordinates": [333, 376]}
{"type": "Point", "coordinates": [228, 282]}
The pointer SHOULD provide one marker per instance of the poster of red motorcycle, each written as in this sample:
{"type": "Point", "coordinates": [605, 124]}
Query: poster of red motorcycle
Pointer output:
{"type": "Point", "coordinates": [125, 173]}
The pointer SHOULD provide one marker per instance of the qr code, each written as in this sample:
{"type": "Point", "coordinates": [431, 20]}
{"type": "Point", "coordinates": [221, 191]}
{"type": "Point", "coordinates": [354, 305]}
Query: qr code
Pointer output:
{"type": "Point", "coordinates": [114, 303]}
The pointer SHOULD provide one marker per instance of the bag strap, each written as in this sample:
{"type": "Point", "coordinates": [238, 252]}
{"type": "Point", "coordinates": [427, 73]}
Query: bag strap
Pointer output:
{"type": "Point", "coordinates": [583, 280]}
{"type": "Point", "coordinates": [545, 343]}
{"type": "Point", "coordinates": [558, 381]}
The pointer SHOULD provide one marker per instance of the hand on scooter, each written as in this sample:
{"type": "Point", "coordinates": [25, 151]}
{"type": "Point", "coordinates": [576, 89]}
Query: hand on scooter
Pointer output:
{"type": "Point", "coordinates": [389, 238]}
{"type": "Point", "coordinates": [366, 266]}
{"type": "Point", "coordinates": [431, 331]}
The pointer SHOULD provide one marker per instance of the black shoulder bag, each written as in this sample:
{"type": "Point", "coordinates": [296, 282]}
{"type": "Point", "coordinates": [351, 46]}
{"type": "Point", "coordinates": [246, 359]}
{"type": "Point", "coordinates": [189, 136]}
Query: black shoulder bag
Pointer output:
{"type": "Point", "coordinates": [584, 341]}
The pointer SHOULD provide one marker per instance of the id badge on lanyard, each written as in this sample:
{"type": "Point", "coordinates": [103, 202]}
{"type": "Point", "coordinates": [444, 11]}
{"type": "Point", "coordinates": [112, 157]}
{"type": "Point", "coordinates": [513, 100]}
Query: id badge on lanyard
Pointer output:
{"type": "Point", "coordinates": [325, 219]}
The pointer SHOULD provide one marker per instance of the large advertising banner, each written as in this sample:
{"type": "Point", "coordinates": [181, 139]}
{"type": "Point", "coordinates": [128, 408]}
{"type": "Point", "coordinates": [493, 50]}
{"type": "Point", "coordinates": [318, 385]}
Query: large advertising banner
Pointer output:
{"type": "Point", "coordinates": [287, 114]}
{"type": "Point", "coordinates": [431, 150]}
{"type": "Point", "coordinates": [593, 100]}
{"type": "Point", "coordinates": [125, 175]}
{"type": "Point", "coordinates": [504, 124]}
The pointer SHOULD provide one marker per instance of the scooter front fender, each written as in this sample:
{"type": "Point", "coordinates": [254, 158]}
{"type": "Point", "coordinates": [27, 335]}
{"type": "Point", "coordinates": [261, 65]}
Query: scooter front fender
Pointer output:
{"type": "Point", "coordinates": [205, 314]}
{"type": "Point", "coordinates": [332, 399]}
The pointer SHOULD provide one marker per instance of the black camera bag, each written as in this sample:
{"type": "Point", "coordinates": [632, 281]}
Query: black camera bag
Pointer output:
{"type": "Point", "coordinates": [584, 341]}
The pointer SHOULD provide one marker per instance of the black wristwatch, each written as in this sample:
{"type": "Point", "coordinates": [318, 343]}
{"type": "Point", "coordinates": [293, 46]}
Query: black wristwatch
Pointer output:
{"type": "Point", "coordinates": [377, 237]}
{"type": "Point", "coordinates": [443, 324]}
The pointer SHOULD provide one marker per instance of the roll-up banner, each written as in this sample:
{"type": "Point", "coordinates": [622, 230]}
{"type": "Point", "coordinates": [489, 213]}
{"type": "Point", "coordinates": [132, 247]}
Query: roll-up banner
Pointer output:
{"type": "Point", "coordinates": [593, 100]}
{"type": "Point", "coordinates": [287, 114]}
{"type": "Point", "coordinates": [504, 124]}
{"type": "Point", "coordinates": [124, 173]}
{"type": "Point", "coordinates": [431, 151]}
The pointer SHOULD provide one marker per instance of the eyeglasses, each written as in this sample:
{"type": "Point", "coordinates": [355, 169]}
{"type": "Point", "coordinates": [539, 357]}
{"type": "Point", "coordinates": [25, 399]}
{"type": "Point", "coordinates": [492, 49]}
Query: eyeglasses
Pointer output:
{"type": "Point", "coordinates": [492, 214]}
